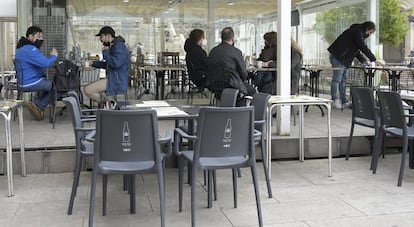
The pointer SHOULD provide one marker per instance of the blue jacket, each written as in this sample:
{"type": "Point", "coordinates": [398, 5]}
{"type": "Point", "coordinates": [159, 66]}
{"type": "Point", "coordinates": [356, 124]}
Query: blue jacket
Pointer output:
{"type": "Point", "coordinates": [116, 62]}
{"type": "Point", "coordinates": [30, 63]}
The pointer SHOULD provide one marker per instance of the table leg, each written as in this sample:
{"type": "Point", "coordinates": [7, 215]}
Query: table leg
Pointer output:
{"type": "Point", "coordinates": [328, 107]}
{"type": "Point", "coordinates": [21, 140]}
{"type": "Point", "coordinates": [269, 140]}
{"type": "Point", "coordinates": [301, 139]}
{"type": "Point", "coordinates": [7, 117]}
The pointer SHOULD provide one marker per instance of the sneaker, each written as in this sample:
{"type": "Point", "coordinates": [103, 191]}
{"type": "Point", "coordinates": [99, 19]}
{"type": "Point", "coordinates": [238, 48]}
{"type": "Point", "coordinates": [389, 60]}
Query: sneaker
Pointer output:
{"type": "Point", "coordinates": [36, 112]}
{"type": "Point", "coordinates": [337, 104]}
{"type": "Point", "coordinates": [347, 104]}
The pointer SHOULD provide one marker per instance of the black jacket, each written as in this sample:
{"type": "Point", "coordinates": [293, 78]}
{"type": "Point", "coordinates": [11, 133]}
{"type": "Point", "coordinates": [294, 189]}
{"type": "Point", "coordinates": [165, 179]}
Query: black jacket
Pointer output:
{"type": "Point", "coordinates": [196, 60]}
{"type": "Point", "coordinates": [226, 68]}
{"type": "Point", "coordinates": [350, 44]}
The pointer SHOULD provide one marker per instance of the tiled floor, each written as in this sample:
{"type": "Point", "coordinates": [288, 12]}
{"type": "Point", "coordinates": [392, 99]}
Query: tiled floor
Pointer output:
{"type": "Point", "coordinates": [303, 196]}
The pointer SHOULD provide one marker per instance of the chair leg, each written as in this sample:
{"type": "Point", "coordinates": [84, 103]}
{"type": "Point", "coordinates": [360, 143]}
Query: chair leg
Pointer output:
{"type": "Point", "coordinates": [193, 194]}
{"type": "Point", "coordinates": [235, 187]}
{"type": "Point", "coordinates": [75, 183]}
{"type": "Point", "coordinates": [92, 199]}
{"type": "Point", "coordinates": [104, 193]}
{"type": "Point", "coordinates": [180, 184]}
{"type": "Point", "coordinates": [265, 167]}
{"type": "Point", "coordinates": [404, 154]}
{"type": "Point", "coordinates": [132, 199]}
{"type": "Point", "coordinates": [214, 185]}
{"type": "Point", "coordinates": [238, 172]}
{"type": "Point", "coordinates": [209, 188]}
{"type": "Point", "coordinates": [161, 188]}
{"type": "Point", "coordinates": [376, 152]}
{"type": "Point", "coordinates": [349, 141]}
{"type": "Point", "coordinates": [256, 192]}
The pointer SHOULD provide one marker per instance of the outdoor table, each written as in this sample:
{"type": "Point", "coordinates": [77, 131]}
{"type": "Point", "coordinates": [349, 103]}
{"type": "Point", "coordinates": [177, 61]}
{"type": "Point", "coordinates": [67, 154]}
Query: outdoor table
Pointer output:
{"type": "Point", "coordinates": [160, 76]}
{"type": "Point", "coordinates": [7, 107]}
{"type": "Point", "coordinates": [314, 77]}
{"type": "Point", "coordinates": [300, 101]}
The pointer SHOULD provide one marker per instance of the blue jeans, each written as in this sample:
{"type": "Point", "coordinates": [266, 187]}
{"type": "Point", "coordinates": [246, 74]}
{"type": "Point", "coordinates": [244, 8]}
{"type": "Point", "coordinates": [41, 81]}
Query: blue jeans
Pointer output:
{"type": "Point", "coordinates": [338, 79]}
{"type": "Point", "coordinates": [44, 87]}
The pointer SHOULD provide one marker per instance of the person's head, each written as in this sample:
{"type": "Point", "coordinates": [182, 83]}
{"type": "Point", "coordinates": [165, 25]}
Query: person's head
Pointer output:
{"type": "Point", "coordinates": [227, 35]}
{"type": "Point", "coordinates": [368, 28]}
{"type": "Point", "coordinates": [270, 39]}
{"type": "Point", "coordinates": [35, 35]}
{"type": "Point", "coordinates": [198, 36]}
{"type": "Point", "coordinates": [106, 35]}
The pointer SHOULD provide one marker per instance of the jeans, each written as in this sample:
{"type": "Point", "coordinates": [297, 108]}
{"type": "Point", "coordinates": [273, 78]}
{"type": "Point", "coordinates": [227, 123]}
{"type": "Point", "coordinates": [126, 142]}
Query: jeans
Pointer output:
{"type": "Point", "coordinates": [44, 87]}
{"type": "Point", "coordinates": [338, 79]}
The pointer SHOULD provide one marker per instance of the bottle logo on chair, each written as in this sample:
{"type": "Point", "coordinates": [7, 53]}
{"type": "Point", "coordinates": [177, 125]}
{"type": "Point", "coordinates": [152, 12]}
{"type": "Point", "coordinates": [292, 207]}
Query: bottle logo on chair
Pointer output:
{"type": "Point", "coordinates": [126, 138]}
{"type": "Point", "coordinates": [227, 134]}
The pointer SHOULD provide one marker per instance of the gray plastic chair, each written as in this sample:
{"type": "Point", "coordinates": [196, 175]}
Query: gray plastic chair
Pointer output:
{"type": "Point", "coordinates": [364, 113]}
{"type": "Point", "coordinates": [260, 107]}
{"type": "Point", "coordinates": [85, 113]}
{"type": "Point", "coordinates": [394, 123]}
{"type": "Point", "coordinates": [228, 97]}
{"type": "Point", "coordinates": [136, 150]}
{"type": "Point", "coordinates": [224, 140]}
{"type": "Point", "coordinates": [83, 148]}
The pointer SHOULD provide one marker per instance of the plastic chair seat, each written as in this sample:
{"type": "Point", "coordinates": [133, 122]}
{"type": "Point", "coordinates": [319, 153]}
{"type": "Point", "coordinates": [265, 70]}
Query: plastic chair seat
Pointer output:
{"type": "Point", "coordinates": [365, 122]}
{"type": "Point", "coordinates": [216, 162]}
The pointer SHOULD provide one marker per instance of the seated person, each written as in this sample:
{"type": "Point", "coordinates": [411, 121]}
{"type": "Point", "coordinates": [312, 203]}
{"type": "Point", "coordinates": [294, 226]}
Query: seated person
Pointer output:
{"type": "Point", "coordinates": [265, 80]}
{"type": "Point", "coordinates": [196, 58]}
{"type": "Point", "coordinates": [116, 60]}
{"type": "Point", "coordinates": [30, 64]}
{"type": "Point", "coordinates": [227, 68]}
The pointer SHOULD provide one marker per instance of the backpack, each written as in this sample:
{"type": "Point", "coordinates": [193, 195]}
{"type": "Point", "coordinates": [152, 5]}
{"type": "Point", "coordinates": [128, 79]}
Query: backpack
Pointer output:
{"type": "Point", "coordinates": [66, 77]}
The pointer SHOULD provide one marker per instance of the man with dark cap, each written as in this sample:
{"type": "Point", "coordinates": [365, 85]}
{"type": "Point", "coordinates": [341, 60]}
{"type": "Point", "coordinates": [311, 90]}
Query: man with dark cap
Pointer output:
{"type": "Point", "coordinates": [342, 51]}
{"type": "Point", "coordinates": [116, 59]}
{"type": "Point", "coordinates": [30, 64]}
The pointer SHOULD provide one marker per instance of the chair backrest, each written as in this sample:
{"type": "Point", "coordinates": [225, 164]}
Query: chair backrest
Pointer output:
{"type": "Point", "coordinates": [259, 102]}
{"type": "Point", "coordinates": [19, 73]}
{"type": "Point", "coordinates": [76, 96]}
{"type": "Point", "coordinates": [363, 103]}
{"type": "Point", "coordinates": [73, 106]}
{"type": "Point", "coordinates": [127, 136]}
{"type": "Point", "coordinates": [391, 109]}
{"type": "Point", "coordinates": [225, 132]}
{"type": "Point", "coordinates": [229, 97]}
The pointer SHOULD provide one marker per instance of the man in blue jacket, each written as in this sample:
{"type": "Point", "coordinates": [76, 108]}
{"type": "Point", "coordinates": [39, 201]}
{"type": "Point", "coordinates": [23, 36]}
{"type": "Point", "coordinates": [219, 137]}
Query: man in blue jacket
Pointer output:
{"type": "Point", "coordinates": [116, 59]}
{"type": "Point", "coordinates": [30, 64]}
{"type": "Point", "coordinates": [342, 51]}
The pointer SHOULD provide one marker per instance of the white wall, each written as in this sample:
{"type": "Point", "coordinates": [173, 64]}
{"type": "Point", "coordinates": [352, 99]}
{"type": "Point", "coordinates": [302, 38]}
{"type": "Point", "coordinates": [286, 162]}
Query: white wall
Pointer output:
{"type": "Point", "coordinates": [8, 8]}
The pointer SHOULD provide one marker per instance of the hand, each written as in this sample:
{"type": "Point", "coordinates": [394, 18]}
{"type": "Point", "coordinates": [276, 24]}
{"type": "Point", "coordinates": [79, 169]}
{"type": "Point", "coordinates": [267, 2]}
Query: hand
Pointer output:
{"type": "Point", "coordinates": [54, 52]}
{"type": "Point", "coordinates": [105, 48]}
{"type": "Point", "coordinates": [380, 63]}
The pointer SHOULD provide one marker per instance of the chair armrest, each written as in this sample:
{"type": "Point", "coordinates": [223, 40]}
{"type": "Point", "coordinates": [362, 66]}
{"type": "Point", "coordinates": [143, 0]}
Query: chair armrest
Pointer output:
{"type": "Point", "coordinates": [178, 134]}
{"type": "Point", "coordinates": [167, 140]}
{"type": "Point", "coordinates": [91, 136]}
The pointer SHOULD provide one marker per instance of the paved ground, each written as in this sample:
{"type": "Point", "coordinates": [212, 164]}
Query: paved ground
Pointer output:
{"type": "Point", "coordinates": [303, 196]}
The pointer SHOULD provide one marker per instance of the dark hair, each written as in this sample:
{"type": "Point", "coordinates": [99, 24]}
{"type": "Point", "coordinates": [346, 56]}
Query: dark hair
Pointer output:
{"type": "Point", "coordinates": [33, 30]}
{"type": "Point", "coordinates": [106, 30]}
{"type": "Point", "coordinates": [368, 25]}
{"type": "Point", "coordinates": [270, 38]}
{"type": "Point", "coordinates": [196, 35]}
{"type": "Point", "coordinates": [227, 34]}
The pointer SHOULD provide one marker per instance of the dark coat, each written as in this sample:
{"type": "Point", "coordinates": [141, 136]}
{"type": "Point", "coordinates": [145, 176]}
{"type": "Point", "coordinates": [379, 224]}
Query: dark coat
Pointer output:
{"type": "Point", "coordinates": [268, 53]}
{"type": "Point", "coordinates": [196, 60]}
{"type": "Point", "coordinates": [226, 68]}
{"type": "Point", "coordinates": [116, 63]}
{"type": "Point", "coordinates": [350, 44]}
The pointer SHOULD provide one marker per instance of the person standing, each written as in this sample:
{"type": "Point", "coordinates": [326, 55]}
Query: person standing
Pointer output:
{"type": "Point", "coordinates": [196, 58]}
{"type": "Point", "coordinates": [227, 68]}
{"type": "Point", "coordinates": [30, 64]}
{"type": "Point", "coordinates": [342, 51]}
{"type": "Point", "coordinates": [116, 59]}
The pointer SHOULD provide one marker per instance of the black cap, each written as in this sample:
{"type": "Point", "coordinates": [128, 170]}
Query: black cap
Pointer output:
{"type": "Point", "coordinates": [106, 30]}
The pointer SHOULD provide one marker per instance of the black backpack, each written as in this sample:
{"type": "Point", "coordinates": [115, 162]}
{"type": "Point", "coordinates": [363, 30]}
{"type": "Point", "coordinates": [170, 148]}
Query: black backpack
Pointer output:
{"type": "Point", "coordinates": [66, 77]}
